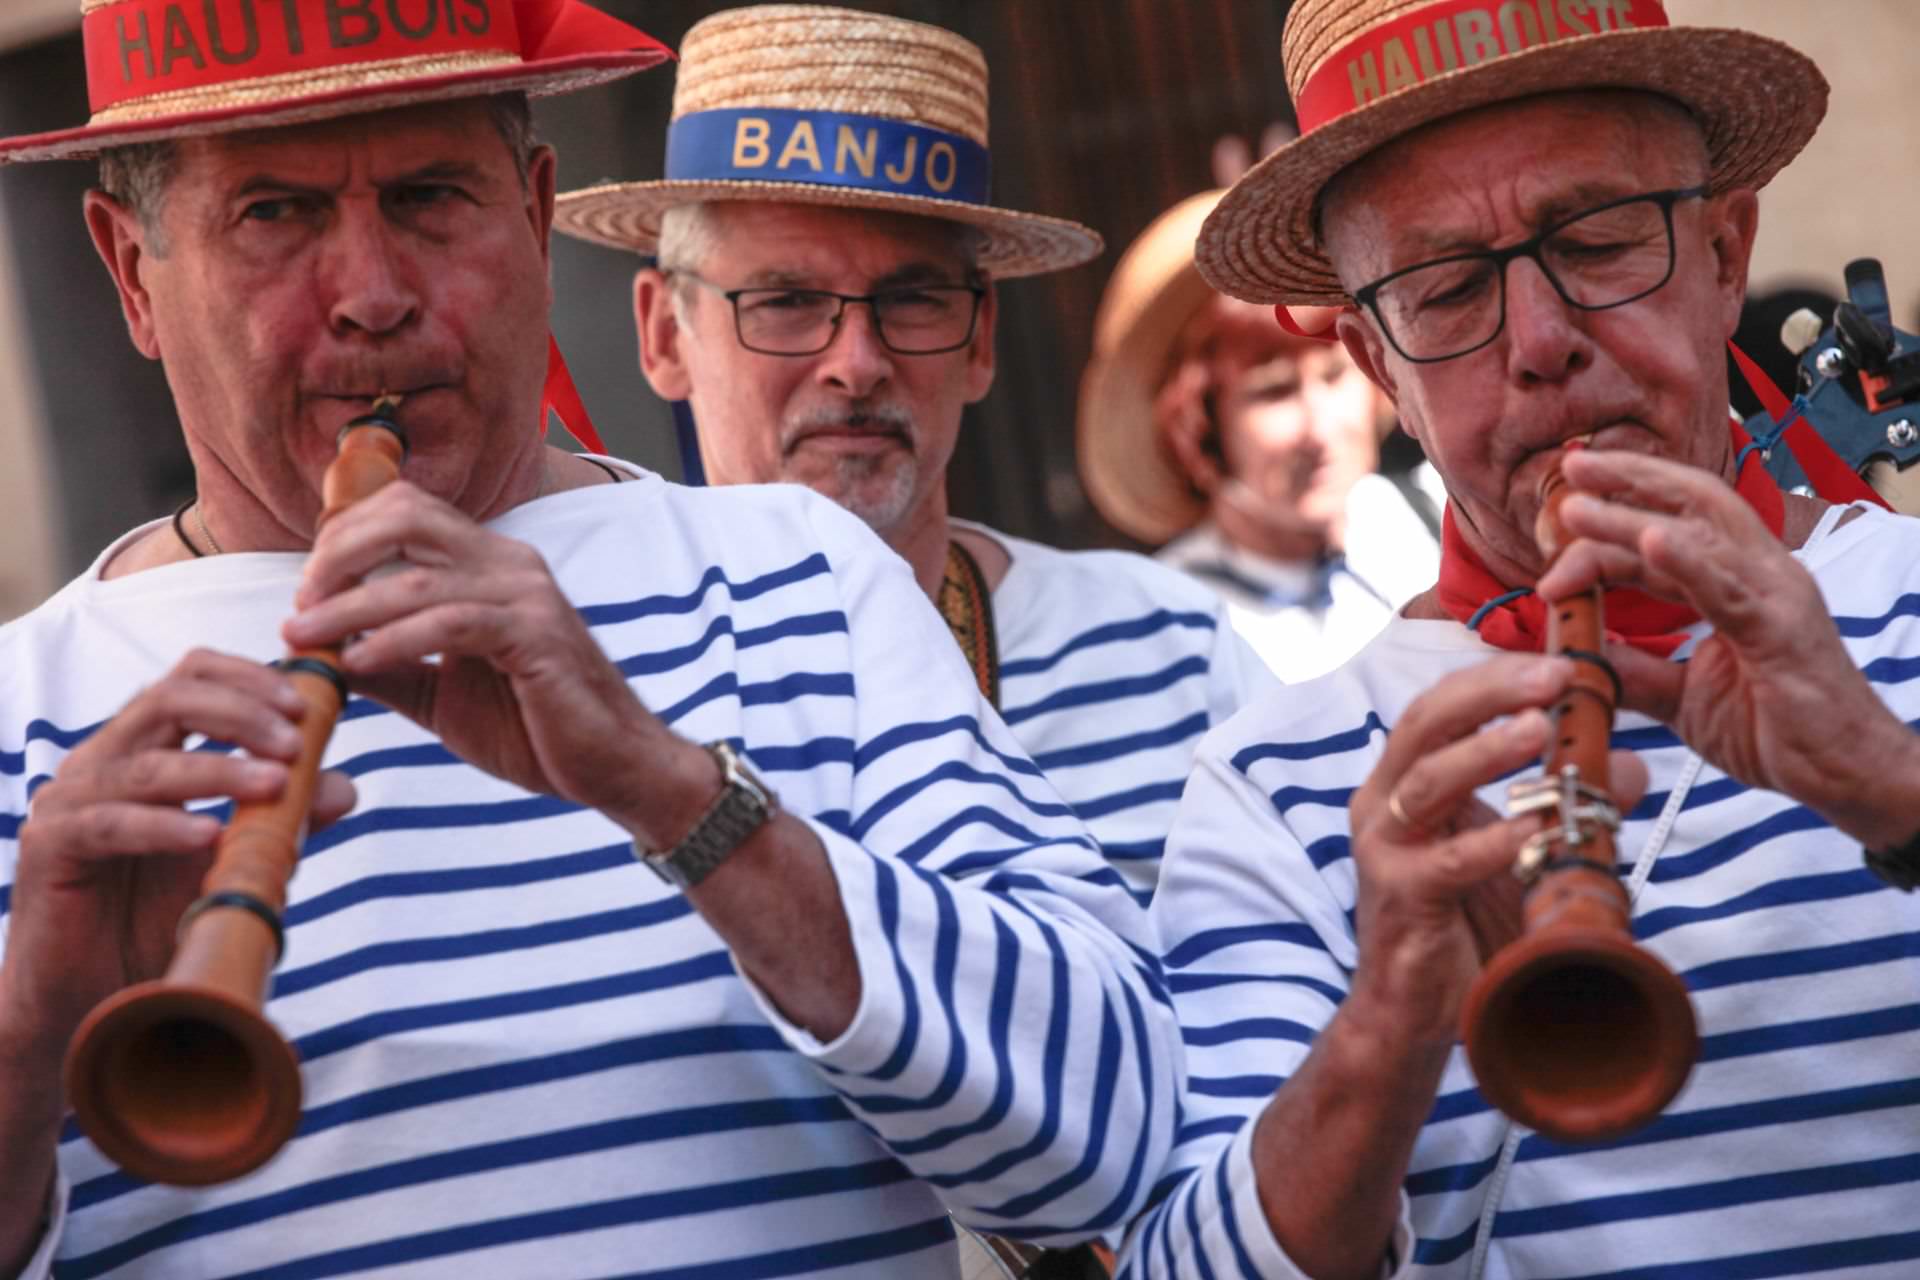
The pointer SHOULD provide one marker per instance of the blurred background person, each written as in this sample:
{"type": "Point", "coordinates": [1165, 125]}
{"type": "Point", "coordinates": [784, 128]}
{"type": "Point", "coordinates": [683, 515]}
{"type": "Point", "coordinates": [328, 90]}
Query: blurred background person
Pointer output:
{"type": "Point", "coordinates": [1253, 454]}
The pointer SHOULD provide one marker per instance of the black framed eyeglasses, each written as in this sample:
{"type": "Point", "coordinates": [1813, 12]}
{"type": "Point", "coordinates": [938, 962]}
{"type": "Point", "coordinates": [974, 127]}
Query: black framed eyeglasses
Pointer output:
{"type": "Point", "coordinates": [1606, 256]}
{"type": "Point", "coordinates": [912, 320]}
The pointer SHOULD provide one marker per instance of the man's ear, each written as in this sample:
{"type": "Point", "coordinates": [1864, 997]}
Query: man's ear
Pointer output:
{"type": "Point", "coordinates": [657, 326]}
{"type": "Point", "coordinates": [543, 172]}
{"type": "Point", "coordinates": [980, 357]}
{"type": "Point", "coordinates": [121, 242]}
{"type": "Point", "coordinates": [1734, 219]}
{"type": "Point", "coordinates": [1368, 351]}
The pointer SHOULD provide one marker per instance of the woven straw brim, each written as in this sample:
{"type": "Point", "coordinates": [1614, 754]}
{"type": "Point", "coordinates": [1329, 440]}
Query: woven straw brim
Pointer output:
{"type": "Point", "coordinates": [361, 90]}
{"type": "Point", "coordinates": [1155, 292]}
{"type": "Point", "coordinates": [1128, 474]}
{"type": "Point", "coordinates": [626, 215]}
{"type": "Point", "coordinates": [1757, 100]}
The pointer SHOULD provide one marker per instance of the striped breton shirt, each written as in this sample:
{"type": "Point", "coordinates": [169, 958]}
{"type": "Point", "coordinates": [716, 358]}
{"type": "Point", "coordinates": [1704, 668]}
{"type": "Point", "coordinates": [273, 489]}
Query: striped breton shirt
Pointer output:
{"type": "Point", "coordinates": [1112, 668]}
{"type": "Point", "coordinates": [525, 1056]}
{"type": "Point", "coordinates": [1794, 1148]}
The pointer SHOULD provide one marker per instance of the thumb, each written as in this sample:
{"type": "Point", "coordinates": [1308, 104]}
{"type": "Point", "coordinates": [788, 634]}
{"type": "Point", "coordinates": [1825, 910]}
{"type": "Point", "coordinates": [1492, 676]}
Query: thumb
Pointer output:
{"type": "Point", "coordinates": [333, 798]}
{"type": "Point", "coordinates": [1650, 685]}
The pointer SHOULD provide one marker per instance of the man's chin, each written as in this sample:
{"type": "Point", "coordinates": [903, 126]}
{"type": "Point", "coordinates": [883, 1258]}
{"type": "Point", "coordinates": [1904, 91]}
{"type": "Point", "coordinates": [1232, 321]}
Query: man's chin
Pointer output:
{"type": "Point", "coordinates": [879, 506]}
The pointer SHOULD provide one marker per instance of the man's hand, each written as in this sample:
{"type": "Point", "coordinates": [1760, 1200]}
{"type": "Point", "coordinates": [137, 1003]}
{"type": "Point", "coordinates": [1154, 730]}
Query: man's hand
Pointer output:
{"type": "Point", "coordinates": [109, 856]}
{"type": "Point", "coordinates": [1772, 697]}
{"type": "Point", "coordinates": [520, 688]}
{"type": "Point", "coordinates": [1435, 896]}
{"type": "Point", "coordinates": [1435, 900]}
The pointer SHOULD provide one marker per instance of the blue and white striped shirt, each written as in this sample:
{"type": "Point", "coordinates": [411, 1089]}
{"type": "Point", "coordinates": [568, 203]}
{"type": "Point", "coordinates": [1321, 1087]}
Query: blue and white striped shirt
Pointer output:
{"type": "Point", "coordinates": [1112, 668]}
{"type": "Point", "coordinates": [1795, 1146]}
{"type": "Point", "coordinates": [524, 1056]}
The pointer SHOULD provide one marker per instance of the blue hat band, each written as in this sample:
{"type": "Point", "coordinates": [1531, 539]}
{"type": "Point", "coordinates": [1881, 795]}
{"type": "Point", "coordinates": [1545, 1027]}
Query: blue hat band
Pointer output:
{"type": "Point", "coordinates": [827, 149]}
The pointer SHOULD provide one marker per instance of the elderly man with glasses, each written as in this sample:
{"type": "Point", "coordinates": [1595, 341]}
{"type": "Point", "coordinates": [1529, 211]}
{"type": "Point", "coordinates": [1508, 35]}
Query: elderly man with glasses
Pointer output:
{"type": "Point", "coordinates": [824, 299]}
{"type": "Point", "coordinates": [1538, 223]}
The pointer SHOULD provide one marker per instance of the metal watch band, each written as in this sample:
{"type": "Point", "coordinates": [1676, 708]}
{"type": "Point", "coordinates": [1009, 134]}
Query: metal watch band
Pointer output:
{"type": "Point", "coordinates": [743, 806]}
{"type": "Point", "coordinates": [1898, 866]}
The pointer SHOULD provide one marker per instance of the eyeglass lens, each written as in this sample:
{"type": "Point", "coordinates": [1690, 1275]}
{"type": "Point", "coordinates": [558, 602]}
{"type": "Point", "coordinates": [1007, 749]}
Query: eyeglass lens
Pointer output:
{"type": "Point", "coordinates": [1601, 259]}
{"type": "Point", "coordinates": [915, 321]}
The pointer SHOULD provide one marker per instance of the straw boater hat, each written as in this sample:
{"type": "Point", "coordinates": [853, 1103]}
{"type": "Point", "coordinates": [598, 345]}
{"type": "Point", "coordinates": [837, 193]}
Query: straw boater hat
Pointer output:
{"type": "Point", "coordinates": [161, 69]}
{"type": "Point", "coordinates": [816, 105]}
{"type": "Point", "coordinates": [1363, 72]}
{"type": "Point", "coordinates": [1154, 293]}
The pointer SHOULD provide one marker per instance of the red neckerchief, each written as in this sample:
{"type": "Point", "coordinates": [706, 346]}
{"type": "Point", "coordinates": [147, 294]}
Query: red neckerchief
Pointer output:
{"type": "Point", "coordinates": [1633, 617]}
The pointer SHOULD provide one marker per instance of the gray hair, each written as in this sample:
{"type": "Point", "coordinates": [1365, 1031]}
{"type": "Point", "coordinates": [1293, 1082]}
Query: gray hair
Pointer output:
{"type": "Point", "coordinates": [690, 234]}
{"type": "Point", "coordinates": [137, 175]}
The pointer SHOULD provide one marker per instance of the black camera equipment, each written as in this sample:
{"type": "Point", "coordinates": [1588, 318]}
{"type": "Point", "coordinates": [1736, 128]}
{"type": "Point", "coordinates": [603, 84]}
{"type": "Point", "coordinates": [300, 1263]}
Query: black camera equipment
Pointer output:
{"type": "Point", "coordinates": [1858, 384]}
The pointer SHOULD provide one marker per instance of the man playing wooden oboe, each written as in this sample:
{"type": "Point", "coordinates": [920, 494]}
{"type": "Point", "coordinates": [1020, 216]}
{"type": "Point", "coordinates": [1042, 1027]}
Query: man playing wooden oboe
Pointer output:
{"type": "Point", "coordinates": [790, 1043]}
{"type": "Point", "coordinates": [1538, 217]}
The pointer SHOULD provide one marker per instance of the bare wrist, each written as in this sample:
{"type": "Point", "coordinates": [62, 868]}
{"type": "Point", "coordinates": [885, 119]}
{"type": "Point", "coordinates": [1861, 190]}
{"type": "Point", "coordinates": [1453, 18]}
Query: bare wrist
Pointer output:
{"type": "Point", "coordinates": [677, 782]}
{"type": "Point", "coordinates": [1878, 802]}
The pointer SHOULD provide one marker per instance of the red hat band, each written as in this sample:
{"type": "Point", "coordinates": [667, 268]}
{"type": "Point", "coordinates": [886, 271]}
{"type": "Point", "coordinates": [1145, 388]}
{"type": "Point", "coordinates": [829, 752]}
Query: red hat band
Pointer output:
{"type": "Point", "coordinates": [154, 58]}
{"type": "Point", "coordinates": [1434, 39]}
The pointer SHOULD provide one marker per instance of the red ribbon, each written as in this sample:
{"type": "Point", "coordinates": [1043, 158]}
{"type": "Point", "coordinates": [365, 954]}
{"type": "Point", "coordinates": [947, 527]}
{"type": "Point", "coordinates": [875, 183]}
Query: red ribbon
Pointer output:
{"type": "Point", "coordinates": [1828, 472]}
{"type": "Point", "coordinates": [561, 396]}
{"type": "Point", "coordinates": [1289, 325]}
{"type": "Point", "coordinates": [1633, 617]}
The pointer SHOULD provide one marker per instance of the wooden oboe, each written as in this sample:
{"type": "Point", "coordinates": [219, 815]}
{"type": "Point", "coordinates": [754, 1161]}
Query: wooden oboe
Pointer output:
{"type": "Point", "coordinates": [1573, 1029]}
{"type": "Point", "coordinates": [183, 1080]}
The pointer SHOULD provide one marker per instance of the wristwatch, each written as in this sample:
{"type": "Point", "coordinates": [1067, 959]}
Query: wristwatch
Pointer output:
{"type": "Point", "coordinates": [743, 806]}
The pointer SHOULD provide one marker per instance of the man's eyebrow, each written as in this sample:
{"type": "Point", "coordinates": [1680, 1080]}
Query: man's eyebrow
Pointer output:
{"type": "Point", "coordinates": [1418, 244]}
{"type": "Point", "coordinates": [903, 276]}
{"type": "Point", "coordinates": [778, 278]}
{"type": "Point", "coordinates": [267, 181]}
{"type": "Point", "coordinates": [1582, 197]}
{"type": "Point", "coordinates": [439, 171]}
{"type": "Point", "coordinates": [913, 273]}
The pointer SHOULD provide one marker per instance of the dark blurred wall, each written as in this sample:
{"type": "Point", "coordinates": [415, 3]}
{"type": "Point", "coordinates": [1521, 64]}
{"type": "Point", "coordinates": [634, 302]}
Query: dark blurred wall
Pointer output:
{"type": "Point", "coordinates": [1104, 111]}
{"type": "Point", "coordinates": [114, 443]}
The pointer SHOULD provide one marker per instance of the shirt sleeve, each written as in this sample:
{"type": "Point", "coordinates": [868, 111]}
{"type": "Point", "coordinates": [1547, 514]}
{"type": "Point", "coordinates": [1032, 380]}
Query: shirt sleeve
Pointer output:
{"type": "Point", "coordinates": [1014, 1045]}
{"type": "Point", "coordinates": [1236, 676]}
{"type": "Point", "coordinates": [1258, 957]}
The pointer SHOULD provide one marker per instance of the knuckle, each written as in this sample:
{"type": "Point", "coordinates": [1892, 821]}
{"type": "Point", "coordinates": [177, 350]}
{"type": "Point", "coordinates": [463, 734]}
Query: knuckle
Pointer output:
{"type": "Point", "coordinates": [416, 583]}
{"type": "Point", "coordinates": [466, 623]}
{"type": "Point", "coordinates": [145, 773]}
{"type": "Point", "coordinates": [102, 826]}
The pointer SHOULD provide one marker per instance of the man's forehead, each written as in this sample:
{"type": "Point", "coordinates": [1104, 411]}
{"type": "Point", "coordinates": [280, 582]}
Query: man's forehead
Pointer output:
{"type": "Point", "coordinates": [417, 136]}
{"type": "Point", "coordinates": [1454, 183]}
{"type": "Point", "coordinates": [789, 236]}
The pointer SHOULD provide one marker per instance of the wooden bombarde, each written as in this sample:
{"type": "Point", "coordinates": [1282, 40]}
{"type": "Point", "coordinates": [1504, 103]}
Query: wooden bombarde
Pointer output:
{"type": "Point", "coordinates": [1573, 1029]}
{"type": "Point", "coordinates": [182, 1080]}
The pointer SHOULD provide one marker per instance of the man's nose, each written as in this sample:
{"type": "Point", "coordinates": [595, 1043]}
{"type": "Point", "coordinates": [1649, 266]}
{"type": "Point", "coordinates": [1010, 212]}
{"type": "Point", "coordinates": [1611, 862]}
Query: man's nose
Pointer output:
{"type": "Point", "coordinates": [367, 273]}
{"type": "Point", "coordinates": [856, 361]}
{"type": "Point", "coordinates": [1545, 343]}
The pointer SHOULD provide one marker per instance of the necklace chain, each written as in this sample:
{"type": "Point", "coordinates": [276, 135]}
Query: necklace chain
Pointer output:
{"type": "Point", "coordinates": [213, 543]}
{"type": "Point", "coordinates": [200, 522]}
